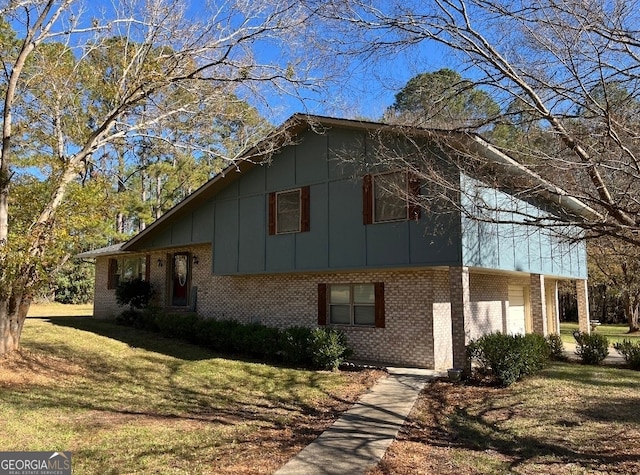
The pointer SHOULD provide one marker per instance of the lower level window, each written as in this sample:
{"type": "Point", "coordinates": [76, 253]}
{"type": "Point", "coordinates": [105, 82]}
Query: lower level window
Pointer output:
{"type": "Point", "coordinates": [352, 304]}
{"type": "Point", "coordinates": [127, 268]}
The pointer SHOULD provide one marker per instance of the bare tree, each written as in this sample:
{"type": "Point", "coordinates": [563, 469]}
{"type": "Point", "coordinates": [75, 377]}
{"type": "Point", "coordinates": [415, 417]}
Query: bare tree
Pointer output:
{"type": "Point", "coordinates": [616, 267]}
{"type": "Point", "coordinates": [168, 66]}
{"type": "Point", "coordinates": [570, 67]}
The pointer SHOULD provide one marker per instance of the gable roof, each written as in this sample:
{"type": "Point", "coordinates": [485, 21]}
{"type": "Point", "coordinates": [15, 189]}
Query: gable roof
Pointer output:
{"type": "Point", "coordinates": [298, 123]}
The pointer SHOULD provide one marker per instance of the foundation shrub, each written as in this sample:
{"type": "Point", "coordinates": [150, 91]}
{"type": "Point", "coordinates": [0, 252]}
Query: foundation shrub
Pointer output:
{"type": "Point", "coordinates": [219, 335]}
{"type": "Point", "coordinates": [131, 318]}
{"type": "Point", "coordinates": [556, 347]}
{"type": "Point", "coordinates": [508, 358]}
{"type": "Point", "coordinates": [258, 341]}
{"type": "Point", "coordinates": [177, 325]}
{"type": "Point", "coordinates": [136, 293]}
{"type": "Point", "coordinates": [329, 348]}
{"type": "Point", "coordinates": [321, 348]}
{"type": "Point", "coordinates": [535, 353]}
{"type": "Point", "coordinates": [591, 348]}
{"type": "Point", "coordinates": [295, 344]}
{"type": "Point", "coordinates": [630, 351]}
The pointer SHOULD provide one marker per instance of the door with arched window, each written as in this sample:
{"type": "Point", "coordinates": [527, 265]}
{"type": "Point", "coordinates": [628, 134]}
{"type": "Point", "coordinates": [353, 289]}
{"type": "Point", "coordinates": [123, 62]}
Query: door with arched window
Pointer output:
{"type": "Point", "coordinates": [180, 279]}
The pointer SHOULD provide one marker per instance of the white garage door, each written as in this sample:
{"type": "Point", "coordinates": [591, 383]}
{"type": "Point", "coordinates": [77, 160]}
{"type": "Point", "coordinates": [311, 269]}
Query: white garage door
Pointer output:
{"type": "Point", "coordinates": [517, 310]}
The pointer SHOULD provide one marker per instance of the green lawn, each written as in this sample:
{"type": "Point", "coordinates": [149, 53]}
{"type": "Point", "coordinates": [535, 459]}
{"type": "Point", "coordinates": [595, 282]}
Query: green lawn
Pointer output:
{"type": "Point", "coordinates": [127, 401]}
{"type": "Point", "coordinates": [55, 309]}
{"type": "Point", "coordinates": [614, 333]}
{"type": "Point", "coordinates": [569, 419]}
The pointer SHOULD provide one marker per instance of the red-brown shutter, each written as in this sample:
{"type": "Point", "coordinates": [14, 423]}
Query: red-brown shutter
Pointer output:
{"type": "Point", "coordinates": [305, 211]}
{"type": "Point", "coordinates": [322, 304]}
{"type": "Point", "coordinates": [367, 199]}
{"type": "Point", "coordinates": [113, 272]}
{"type": "Point", "coordinates": [147, 267]}
{"type": "Point", "coordinates": [272, 213]}
{"type": "Point", "coordinates": [378, 288]}
{"type": "Point", "coordinates": [414, 194]}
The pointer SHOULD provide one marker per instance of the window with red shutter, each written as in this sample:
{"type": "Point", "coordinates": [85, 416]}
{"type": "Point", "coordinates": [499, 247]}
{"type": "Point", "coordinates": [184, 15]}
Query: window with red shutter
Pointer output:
{"type": "Point", "coordinates": [113, 277]}
{"type": "Point", "coordinates": [322, 304]}
{"type": "Point", "coordinates": [289, 211]}
{"type": "Point", "coordinates": [354, 304]}
{"type": "Point", "coordinates": [390, 196]}
{"type": "Point", "coordinates": [367, 199]}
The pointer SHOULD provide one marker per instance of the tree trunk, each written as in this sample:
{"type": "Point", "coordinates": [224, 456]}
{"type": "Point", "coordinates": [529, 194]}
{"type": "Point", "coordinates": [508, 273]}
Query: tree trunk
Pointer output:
{"type": "Point", "coordinates": [632, 311]}
{"type": "Point", "coordinates": [634, 316]}
{"type": "Point", "coordinates": [12, 316]}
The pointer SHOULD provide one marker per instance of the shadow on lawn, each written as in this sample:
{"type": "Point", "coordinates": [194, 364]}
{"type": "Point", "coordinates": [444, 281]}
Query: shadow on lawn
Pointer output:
{"type": "Point", "coordinates": [491, 420]}
{"type": "Point", "coordinates": [136, 338]}
{"type": "Point", "coordinates": [141, 383]}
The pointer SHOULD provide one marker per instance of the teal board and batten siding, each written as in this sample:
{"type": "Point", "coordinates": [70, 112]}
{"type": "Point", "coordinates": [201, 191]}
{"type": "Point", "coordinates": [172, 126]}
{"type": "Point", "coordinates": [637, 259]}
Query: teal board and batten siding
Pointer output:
{"type": "Point", "coordinates": [338, 239]}
{"type": "Point", "coordinates": [193, 227]}
{"type": "Point", "coordinates": [506, 244]}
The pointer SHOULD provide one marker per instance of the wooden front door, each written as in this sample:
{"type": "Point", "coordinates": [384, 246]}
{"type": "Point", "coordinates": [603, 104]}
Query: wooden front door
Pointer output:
{"type": "Point", "coordinates": [180, 279]}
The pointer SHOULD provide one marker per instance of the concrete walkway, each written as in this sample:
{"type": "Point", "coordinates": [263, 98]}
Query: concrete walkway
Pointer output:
{"type": "Point", "coordinates": [361, 436]}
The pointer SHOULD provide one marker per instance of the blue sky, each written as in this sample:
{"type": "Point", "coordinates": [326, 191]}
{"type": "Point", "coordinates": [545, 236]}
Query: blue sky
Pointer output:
{"type": "Point", "coordinates": [364, 92]}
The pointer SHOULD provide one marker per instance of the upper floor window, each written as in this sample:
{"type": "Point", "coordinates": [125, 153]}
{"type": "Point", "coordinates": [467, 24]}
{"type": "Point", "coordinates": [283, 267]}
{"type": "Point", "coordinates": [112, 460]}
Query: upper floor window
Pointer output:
{"type": "Point", "coordinates": [289, 211]}
{"type": "Point", "coordinates": [390, 196]}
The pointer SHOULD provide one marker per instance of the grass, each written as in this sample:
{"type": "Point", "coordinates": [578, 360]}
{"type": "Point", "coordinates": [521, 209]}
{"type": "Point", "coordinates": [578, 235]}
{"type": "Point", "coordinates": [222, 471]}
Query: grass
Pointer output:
{"type": "Point", "coordinates": [614, 333]}
{"type": "Point", "coordinates": [55, 309]}
{"type": "Point", "coordinates": [127, 401]}
{"type": "Point", "coordinates": [568, 419]}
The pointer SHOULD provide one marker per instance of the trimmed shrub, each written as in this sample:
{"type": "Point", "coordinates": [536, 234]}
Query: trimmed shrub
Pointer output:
{"type": "Point", "coordinates": [507, 358]}
{"type": "Point", "coordinates": [177, 325]}
{"type": "Point", "coordinates": [219, 335]}
{"type": "Point", "coordinates": [295, 345]}
{"type": "Point", "coordinates": [630, 351]}
{"type": "Point", "coordinates": [328, 348]}
{"type": "Point", "coordinates": [135, 292]}
{"type": "Point", "coordinates": [535, 353]}
{"type": "Point", "coordinates": [130, 317]}
{"type": "Point", "coordinates": [591, 348]}
{"type": "Point", "coordinates": [556, 347]}
{"type": "Point", "coordinates": [259, 341]}
{"type": "Point", "coordinates": [323, 348]}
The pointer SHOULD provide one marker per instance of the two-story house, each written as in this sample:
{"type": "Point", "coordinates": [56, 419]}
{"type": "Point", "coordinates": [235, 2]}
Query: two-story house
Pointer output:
{"type": "Point", "coordinates": [307, 237]}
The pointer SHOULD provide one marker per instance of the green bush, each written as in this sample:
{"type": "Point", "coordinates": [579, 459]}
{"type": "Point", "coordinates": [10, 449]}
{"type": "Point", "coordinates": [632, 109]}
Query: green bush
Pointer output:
{"type": "Point", "coordinates": [135, 292]}
{"type": "Point", "coordinates": [295, 345]}
{"type": "Point", "coordinates": [130, 317]}
{"type": "Point", "coordinates": [219, 335]}
{"type": "Point", "coordinates": [556, 347]}
{"type": "Point", "coordinates": [630, 351]}
{"type": "Point", "coordinates": [591, 348]}
{"type": "Point", "coordinates": [323, 348]}
{"type": "Point", "coordinates": [259, 341]}
{"type": "Point", "coordinates": [507, 358]}
{"type": "Point", "coordinates": [328, 347]}
{"type": "Point", "coordinates": [177, 325]}
{"type": "Point", "coordinates": [149, 319]}
{"type": "Point", "coordinates": [535, 353]}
